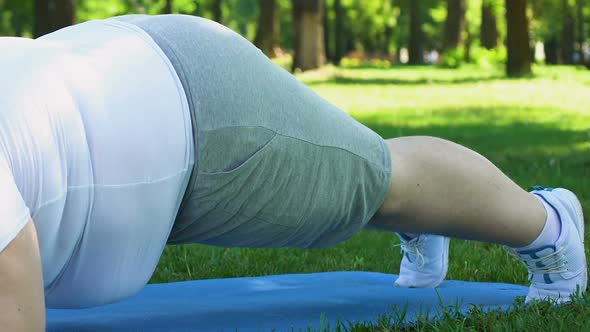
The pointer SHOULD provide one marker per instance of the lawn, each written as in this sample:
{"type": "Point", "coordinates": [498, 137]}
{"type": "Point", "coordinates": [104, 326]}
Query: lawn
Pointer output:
{"type": "Point", "coordinates": [537, 130]}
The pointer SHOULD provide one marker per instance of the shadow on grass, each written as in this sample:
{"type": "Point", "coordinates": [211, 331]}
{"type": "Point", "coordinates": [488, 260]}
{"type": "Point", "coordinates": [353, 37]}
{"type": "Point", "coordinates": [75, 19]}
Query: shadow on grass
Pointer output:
{"type": "Point", "coordinates": [530, 153]}
{"type": "Point", "coordinates": [346, 80]}
{"type": "Point", "coordinates": [494, 138]}
{"type": "Point", "coordinates": [487, 128]}
{"type": "Point", "coordinates": [424, 74]}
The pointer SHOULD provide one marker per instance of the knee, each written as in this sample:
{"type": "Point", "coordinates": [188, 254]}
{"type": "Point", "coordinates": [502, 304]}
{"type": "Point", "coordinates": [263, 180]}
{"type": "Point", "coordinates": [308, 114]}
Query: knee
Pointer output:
{"type": "Point", "coordinates": [411, 159]}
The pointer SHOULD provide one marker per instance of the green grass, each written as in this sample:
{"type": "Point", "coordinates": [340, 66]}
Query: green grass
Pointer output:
{"type": "Point", "coordinates": [537, 130]}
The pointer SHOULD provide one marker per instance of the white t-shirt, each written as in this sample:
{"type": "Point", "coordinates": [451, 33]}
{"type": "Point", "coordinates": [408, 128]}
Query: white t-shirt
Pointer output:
{"type": "Point", "coordinates": [96, 146]}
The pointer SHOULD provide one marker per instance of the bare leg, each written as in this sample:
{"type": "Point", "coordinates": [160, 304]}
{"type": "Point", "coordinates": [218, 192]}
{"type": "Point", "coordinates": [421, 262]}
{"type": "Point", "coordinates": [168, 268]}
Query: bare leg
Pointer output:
{"type": "Point", "coordinates": [439, 187]}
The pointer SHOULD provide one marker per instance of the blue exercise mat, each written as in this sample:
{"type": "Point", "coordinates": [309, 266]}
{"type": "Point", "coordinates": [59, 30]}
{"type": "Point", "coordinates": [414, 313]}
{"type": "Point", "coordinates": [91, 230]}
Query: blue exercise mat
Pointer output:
{"type": "Point", "coordinates": [281, 302]}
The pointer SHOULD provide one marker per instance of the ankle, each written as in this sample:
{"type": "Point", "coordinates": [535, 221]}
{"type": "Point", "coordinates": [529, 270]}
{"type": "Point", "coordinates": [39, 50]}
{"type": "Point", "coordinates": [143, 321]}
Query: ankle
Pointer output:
{"type": "Point", "coordinates": [550, 232]}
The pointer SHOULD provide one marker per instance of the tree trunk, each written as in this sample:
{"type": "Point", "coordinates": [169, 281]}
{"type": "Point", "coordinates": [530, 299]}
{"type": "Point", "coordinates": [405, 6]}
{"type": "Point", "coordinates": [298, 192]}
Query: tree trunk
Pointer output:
{"type": "Point", "coordinates": [327, 41]}
{"type": "Point", "coordinates": [550, 50]}
{"type": "Point", "coordinates": [52, 15]}
{"type": "Point", "coordinates": [168, 7]}
{"type": "Point", "coordinates": [339, 32]}
{"type": "Point", "coordinates": [309, 34]}
{"type": "Point", "coordinates": [489, 26]}
{"type": "Point", "coordinates": [455, 23]}
{"type": "Point", "coordinates": [567, 33]}
{"type": "Point", "coordinates": [415, 51]}
{"type": "Point", "coordinates": [581, 32]}
{"type": "Point", "coordinates": [580, 21]}
{"type": "Point", "coordinates": [467, 44]}
{"type": "Point", "coordinates": [387, 37]}
{"type": "Point", "coordinates": [17, 23]}
{"type": "Point", "coordinates": [267, 35]}
{"type": "Point", "coordinates": [517, 39]}
{"type": "Point", "coordinates": [217, 13]}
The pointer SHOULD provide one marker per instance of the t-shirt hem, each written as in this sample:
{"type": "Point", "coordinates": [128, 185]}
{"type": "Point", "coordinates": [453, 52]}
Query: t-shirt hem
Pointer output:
{"type": "Point", "coordinates": [9, 236]}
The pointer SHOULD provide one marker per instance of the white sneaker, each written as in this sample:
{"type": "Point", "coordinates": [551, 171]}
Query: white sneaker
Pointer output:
{"type": "Point", "coordinates": [425, 261]}
{"type": "Point", "coordinates": [559, 269]}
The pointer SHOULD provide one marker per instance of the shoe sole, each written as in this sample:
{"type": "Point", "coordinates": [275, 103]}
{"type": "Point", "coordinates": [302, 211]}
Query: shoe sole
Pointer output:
{"type": "Point", "coordinates": [579, 223]}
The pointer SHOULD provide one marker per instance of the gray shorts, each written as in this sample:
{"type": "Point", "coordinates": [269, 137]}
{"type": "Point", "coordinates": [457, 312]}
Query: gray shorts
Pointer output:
{"type": "Point", "coordinates": [275, 164]}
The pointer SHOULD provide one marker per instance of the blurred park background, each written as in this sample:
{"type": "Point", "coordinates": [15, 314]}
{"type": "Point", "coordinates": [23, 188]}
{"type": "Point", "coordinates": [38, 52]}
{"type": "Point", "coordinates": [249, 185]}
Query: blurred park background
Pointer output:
{"type": "Point", "coordinates": [306, 34]}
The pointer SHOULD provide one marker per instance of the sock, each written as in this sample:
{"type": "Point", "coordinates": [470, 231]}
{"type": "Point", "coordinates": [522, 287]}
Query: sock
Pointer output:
{"type": "Point", "coordinates": [550, 232]}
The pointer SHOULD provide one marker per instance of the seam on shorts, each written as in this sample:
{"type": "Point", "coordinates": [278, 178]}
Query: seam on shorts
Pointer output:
{"type": "Point", "coordinates": [380, 167]}
{"type": "Point", "coordinates": [182, 75]}
{"type": "Point", "coordinates": [192, 100]}
{"type": "Point", "coordinates": [252, 156]}
{"type": "Point", "coordinates": [385, 172]}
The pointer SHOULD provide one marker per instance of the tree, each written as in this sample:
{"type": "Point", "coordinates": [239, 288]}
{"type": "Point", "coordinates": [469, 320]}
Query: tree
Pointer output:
{"type": "Point", "coordinates": [550, 48]}
{"type": "Point", "coordinates": [455, 23]}
{"type": "Point", "coordinates": [567, 33]}
{"type": "Point", "coordinates": [415, 48]}
{"type": "Point", "coordinates": [339, 32]}
{"type": "Point", "coordinates": [267, 33]}
{"type": "Point", "coordinates": [52, 15]}
{"type": "Point", "coordinates": [309, 34]}
{"type": "Point", "coordinates": [489, 26]}
{"type": "Point", "coordinates": [546, 26]}
{"type": "Point", "coordinates": [327, 38]}
{"type": "Point", "coordinates": [581, 33]}
{"type": "Point", "coordinates": [517, 39]}
{"type": "Point", "coordinates": [168, 7]}
{"type": "Point", "coordinates": [467, 44]}
{"type": "Point", "coordinates": [556, 27]}
{"type": "Point", "coordinates": [217, 12]}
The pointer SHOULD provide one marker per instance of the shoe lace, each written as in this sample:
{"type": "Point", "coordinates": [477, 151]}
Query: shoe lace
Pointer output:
{"type": "Point", "coordinates": [554, 262]}
{"type": "Point", "coordinates": [414, 247]}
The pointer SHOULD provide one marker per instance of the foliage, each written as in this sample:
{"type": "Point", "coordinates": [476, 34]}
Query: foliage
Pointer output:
{"type": "Point", "coordinates": [473, 18]}
{"type": "Point", "coordinates": [481, 57]}
{"type": "Point", "coordinates": [453, 58]}
{"type": "Point", "coordinates": [375, 27]}
{"type": "Point", "coordinates": [240, 16]}
{"type": "Point", "coordinates": [16, 18]}
{"type": "Point", "coordinates": [499, 10]}
{"type": "Point", "coordinates": [436, 14]}
{"type": "Point", "coordinates": [374, 21]}
{"type": "Point", "coordinates": [487, 59]}
{"type": "Point", "coordinates": [355, 62]}
{"type": "Point", "coordinates": [543, 12]}
{"type": "Point", "coordinates": [546, 18]}
{"type": "Point", "coordinates": [287, 33]}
